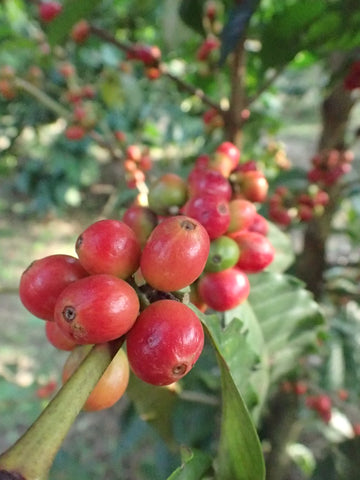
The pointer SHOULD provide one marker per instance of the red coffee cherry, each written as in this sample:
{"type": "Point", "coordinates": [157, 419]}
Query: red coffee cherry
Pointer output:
{"type": "Point", "coordinates": [109, 246]}
{"type": "Point", "coordinates": [44, 280]}
{"type": "Point", "coordinates": [175, 253]}
{"type": "Point", "coordinates": [213, 213]}
{"type": "Point", "coordinates": [97, 309]}
{"type": "Point", "coordinates": [224, 290]}
{"type": "Point", "coordinates": [209, 182]}
{"type": "Point", "coordinates": [75, 132]}
{"type": "Point", "coordinates": [57, 338]}
{"type": "Point", "coordinates": [242, 214]}
{"type": "Point", "coordinates": [142, 220]}
{"type": "Point", "coordinates": [112, 384]}
{"type": "Point", "coordinates": [256, 251]}
{"type": "Point", "coordinates": [165, 342]}
{"type": "Point", "coordinates": [80, 31]}
{"type": "Point", "coordinates": [259, 225]}
{"type": "Point", "coordinates": [49, 10]}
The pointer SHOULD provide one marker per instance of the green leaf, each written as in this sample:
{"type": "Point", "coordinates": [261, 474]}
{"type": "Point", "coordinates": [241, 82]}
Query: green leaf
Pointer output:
{"type": "Point", "coordinates": [195, 464]}
{"type": "Point", "coordinates": [284, 35]}
{"type": "Point", "coordinates": [284, 255]}
{"type": "Point", "coordinates": [71, 13]}
{"type": "Point", "coordinates": [289, 318]}
{"type": "Point", "coordinates": [154, 405]}
{"type": "Point", "coordinates": [191, 13]}
{"type": "Point", "coordinates": [240, 456]}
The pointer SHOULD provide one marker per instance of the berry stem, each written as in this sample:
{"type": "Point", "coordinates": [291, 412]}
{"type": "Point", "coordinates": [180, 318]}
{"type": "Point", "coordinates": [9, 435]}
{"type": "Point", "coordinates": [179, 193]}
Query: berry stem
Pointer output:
{"type": "Point", "coordinates": [31, 457]}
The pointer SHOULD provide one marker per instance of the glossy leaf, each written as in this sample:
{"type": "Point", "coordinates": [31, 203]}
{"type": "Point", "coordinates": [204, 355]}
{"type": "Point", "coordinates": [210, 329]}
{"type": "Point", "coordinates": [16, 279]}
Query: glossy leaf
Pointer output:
{"type": "Point", "coordinates": [191, 13]}
{"type": "Point", "coordinates": [195, 464]}
{"type": "Point", "coordinates": [240, 456]}
{"type": "Point", "coordinates": [234, 28]}
{"type": "Point", "coordinates": [284, 255]}
{"type": "Point", "coordinates": [154, 405]}
{"type": "Point", "coordinates": [289, 318]}
{"type": "Point", "coordinates": [71, 13]}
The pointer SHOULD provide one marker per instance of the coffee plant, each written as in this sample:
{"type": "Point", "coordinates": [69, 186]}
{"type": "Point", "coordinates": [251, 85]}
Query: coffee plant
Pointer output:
{"type": "Point", "coordinates": [206, 291]}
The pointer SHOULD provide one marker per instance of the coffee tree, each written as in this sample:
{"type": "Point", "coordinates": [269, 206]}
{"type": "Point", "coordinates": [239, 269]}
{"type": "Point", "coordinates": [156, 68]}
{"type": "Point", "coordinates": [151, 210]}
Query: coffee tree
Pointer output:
{"type": "Point", "coordinates": [187, 275]}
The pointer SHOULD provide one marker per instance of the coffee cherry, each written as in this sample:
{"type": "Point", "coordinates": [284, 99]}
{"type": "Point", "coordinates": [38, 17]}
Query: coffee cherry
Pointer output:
{"type": "Point", "coordinates": [254, 186]}
{"type": "Point", "coordinates": [256, 251]}
{"type": "Point", "coordinates": [112, 384]}
{"type": "Point", "coordinates": [44, 280]}
{"type": "Point", "coordinates": [224, 290]}
{"type": "Point", "coordinates": [80, 31]}
{"type": "Point", "coordinates": [57, 338]}
{"type": "Point", "coordinates": [175, 253]}
{"type": "Point", "coordinates": [141, 220]}
{"type": "Point", "coordinates": [224, 253]}
{"type": "Point", "coordinates": [167, 193]}
{"type": "Point", "coordinates": [109, 246]}
{"type": "Point", "coordinates": [49, 10]}
{"type": "Point", "coordinates": [242, 214]}
{"type": "Point", "coordinates": [226, 158]}
{"type": "Point", "coordinates": [75, 132]}
{"type": "Point", "coordinates": [96, 309]}
{"type": "Point", "coordinates": [209, 182]}
{"type": "Point", "coordinates": [165, 342]}
{"type": "Point", "coordinates": [213, 213]}
{"type": "Point", "coordinates": [259, 225]}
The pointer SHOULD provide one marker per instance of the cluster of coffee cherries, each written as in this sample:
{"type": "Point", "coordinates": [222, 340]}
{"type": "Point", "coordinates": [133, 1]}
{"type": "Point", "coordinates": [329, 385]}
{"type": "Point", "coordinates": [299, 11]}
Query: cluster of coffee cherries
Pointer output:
{"type": "Point", "coordinates": [222, 195]}
{"type": "Point", "coordinates": [95, 298]}
{"type": "Point", "coordinates": [330, 165]}
{"type": "Point", "coordinates": [287, 207]}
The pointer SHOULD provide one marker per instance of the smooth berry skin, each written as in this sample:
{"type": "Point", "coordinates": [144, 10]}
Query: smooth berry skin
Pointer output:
{"type": "Point", "coordinates": [254, 186]}
{"type": "Point", "coordinates": [112, 384]}
{"type": "Point", "coordinates": [256, 251]}
{"type": "Point", "coordinates": [224, 290]}
{"type": "Point", "coordinates": [57, 338]}
{"type": "Point", "coordinates": [213, 213]}
{"type": "Point", "coordinates": [165, 342]}
{"type": "Point", "coordinates": [224, 253]}
{"type": "Point", "coordinates": [49, 10]}
{"type": "Point", "coordinates": [175, 254]}
{"type": "Point", "coordinates": [44, 280]}
{"type": "Point", "coordinates": [141, 220]}
{"type": "Point", "coordinates": [209, 182]}
{"type": "Point", "coordinates": [109, 246]}
{"type": "Point", "coordinates": [168, 192]}
{"type": "Point", "coordinates": [97, 309]}
{"type": "Point", "coordinates": [259, 225]}
{"type": "Point", "coordinates": [242, 214]}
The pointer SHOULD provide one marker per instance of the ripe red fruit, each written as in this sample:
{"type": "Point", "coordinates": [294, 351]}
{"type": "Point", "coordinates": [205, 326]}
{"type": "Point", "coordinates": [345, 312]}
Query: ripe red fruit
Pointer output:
{"type": "Point", "coordinates": [141, 220]}
{"type": "Point", "coordinates": [256, 251]}
{"type": "Point", "coordinates": [254, 186]}
{"type": "Point", "coordinates": [224, 290]}
{"type": "Point", "coordinates": [165, 342]}
{"type": "Point", "coordinates": [213, 213]}
{"type": "Point", "coordinates": [229, 150]}
{"type": "Point", "coordinates": [109, 246]}
{"type": "Point", "coordinates": [80, 31]}
{"type": "Point", "coordinates": [44, 280]}
{"type": "Point", "coordinates": [209, 182]}
{"type": "Point", "coordinates": [149, 55]}
{"type": "Point", "coordinates": [259, 225]}
{"type": "Point", "coordinates": [166, 193]}
{"type": "Point", "coordinates": [7, 89]}
{"type": "Point", "coordinates": [112, 384]}
{"type": "Point", "coordinates": [96, 309]}
{"type": "Point", "coordinates": [49, 10]}
{"type": "Point", "coordinates": [242, 214]}
{"type": "Point", "coordinates": [57, 338]}
{"type": "Point", "coordinates": [175, 253]}
{"type": "Point", "coordinates": [75, 132]}
{"type": "Point", "coordinates": [209, 44]}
